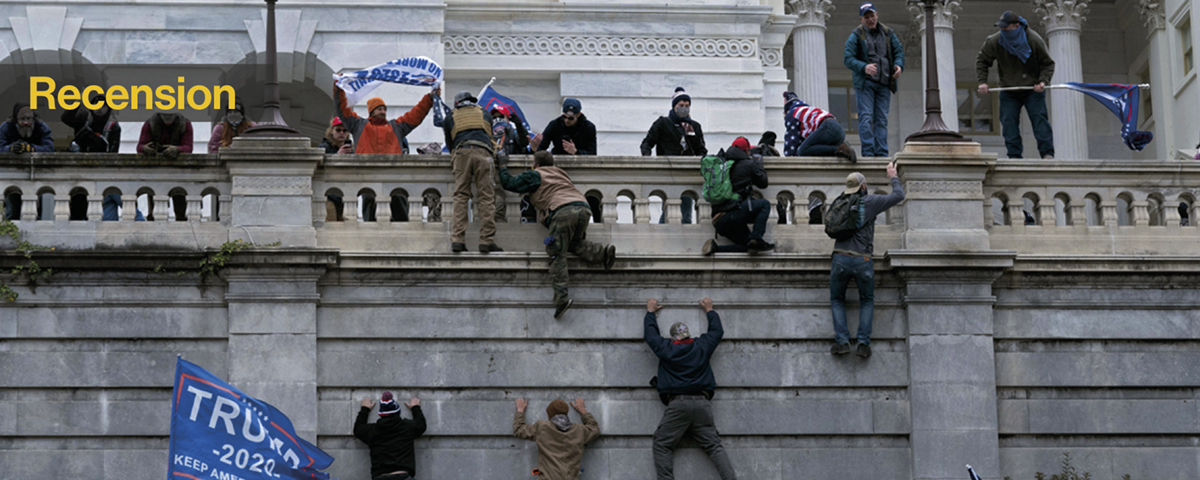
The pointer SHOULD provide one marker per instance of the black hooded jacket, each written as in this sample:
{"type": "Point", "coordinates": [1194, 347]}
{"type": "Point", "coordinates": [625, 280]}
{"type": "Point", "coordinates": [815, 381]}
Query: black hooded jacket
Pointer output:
{"type": "Point", "coordinates": [666, 137]}
{"type": "Point", "coordinates": [746, 172]}
{"type": "Point", "coordinates": [390, 440]}
{"type": "Point", "coordinates": [583, 133]}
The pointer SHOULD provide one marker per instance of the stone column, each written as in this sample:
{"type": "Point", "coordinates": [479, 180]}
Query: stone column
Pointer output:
{"type": "Point", "coordinates": [1154, 15]}
{"type": "Point", "coordinates": [810, 76]}
{"type": "Point", "coordinates": [272, 190]}
{"type": "Point", "coordinates": [1063, 20]}
{"type": "Point", "coordinates": [945, 12]}
{"type": "Point", "coordinates": [948, 268]}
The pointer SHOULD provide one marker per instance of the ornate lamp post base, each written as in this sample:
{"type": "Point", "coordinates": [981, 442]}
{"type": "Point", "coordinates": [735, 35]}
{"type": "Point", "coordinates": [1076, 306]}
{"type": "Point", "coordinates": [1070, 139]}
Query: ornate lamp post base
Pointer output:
{"type": "Point", "coordinates": [272, 124]}
{"type": "Point", "coordinates": [934, 129]}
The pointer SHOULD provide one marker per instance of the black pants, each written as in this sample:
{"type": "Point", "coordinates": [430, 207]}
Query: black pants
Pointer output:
{"type": "Point", "coordinates": [733, 225]}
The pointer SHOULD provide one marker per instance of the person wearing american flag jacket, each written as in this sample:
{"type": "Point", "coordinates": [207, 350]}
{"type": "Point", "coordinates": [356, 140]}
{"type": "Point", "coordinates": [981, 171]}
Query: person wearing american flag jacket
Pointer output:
{"type": "Point", "coordinates": [812, 132]}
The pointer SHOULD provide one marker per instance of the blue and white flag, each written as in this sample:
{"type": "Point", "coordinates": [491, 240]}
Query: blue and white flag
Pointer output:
{"type": "Point", "coordinates": [489, 99]}
{"type": "Point", "coordinates": [219, 432]}
{"type": "Point", "coordinates": [971, 471]}
{"type": "Point", "coordinates": [419, 71]}
{"type": "Point", "coordinates": [1122, 100]}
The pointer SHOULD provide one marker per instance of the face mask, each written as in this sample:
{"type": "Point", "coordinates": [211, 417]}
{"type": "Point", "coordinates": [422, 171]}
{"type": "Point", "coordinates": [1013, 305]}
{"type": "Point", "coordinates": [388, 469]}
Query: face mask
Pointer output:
{"type": "Point", "coordinates": [682, 111]}
{"type": "Point", "coordinates": [234, 119]}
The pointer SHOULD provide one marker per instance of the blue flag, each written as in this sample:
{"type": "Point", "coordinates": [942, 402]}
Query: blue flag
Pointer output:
{"type": "Point", "coordinates": [219, 432]}
{"type": "Point", "coordinates": [1122, 100]}
{"type": "Point", "coordinates": [490, 99]}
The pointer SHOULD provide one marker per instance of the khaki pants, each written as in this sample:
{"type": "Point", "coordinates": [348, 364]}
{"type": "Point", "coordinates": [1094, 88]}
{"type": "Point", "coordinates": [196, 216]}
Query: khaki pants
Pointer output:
{"type": "Point", "coordinates": [473, 166]}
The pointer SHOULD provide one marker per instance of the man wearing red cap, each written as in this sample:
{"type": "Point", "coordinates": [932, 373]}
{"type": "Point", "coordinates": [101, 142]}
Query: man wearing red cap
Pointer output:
{"type": "Point", "coordinates": [376, 134]}
{"type": "Point", "coordinates": [730, 218]}
{"type": "Point", "coordinates": [559, 442]}
{"type": "Point", "coordinates": [391, 438]}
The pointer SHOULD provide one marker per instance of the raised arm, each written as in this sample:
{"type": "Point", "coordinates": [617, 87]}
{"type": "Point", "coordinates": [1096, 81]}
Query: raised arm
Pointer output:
{"type": "Point", "coordinates": [650, 326]}
{"type": "Point", "coordinates": [520, 428]}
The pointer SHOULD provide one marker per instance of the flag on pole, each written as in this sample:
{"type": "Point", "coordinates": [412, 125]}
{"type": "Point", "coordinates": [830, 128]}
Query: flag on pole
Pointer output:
{"type": "Point", "coordinates": [971, 471]}
{"type": "Point", "coordinates": [1122, 100]}
{"type": "Point", "coordinates": [489, 99]}
{"type": "Point", "coordinates": [217, 431]}
{"type": "Point", "coordinates": [419, 71]}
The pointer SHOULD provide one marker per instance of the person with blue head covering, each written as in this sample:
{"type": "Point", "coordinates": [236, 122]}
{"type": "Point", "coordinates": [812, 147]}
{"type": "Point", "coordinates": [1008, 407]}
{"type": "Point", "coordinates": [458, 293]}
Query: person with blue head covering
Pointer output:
{"type": "Point", "coordinates": [1022, 59]}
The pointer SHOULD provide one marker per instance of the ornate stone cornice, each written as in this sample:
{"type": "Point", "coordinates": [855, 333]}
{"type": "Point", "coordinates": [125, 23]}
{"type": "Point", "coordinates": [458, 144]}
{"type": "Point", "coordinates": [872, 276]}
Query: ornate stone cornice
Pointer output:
{"type": "Point", "coordinates": [1061, 14]}
{"type": "Point", "coordinates": [945, 12]}
{"type": "Point", "coordinates": [1154, 14]}
{"type": "Point", "coordinates": [600, 46]}
{"type": "Point", "coordinates": [810, 12]}
{"type": "Point", "coordinates": [771, 57]}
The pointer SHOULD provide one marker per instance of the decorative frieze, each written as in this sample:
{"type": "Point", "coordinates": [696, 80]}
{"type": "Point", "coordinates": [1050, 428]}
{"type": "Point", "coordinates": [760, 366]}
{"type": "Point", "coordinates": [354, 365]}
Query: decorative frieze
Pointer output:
{"type": "Point", "coordinates": [945, 188]}
{"type": "Point", "coordinates": [771, 57]}
{"type": "Point", "coordinates": [600, 46]}
{"type": "Point", "coordinates": [272, 185]}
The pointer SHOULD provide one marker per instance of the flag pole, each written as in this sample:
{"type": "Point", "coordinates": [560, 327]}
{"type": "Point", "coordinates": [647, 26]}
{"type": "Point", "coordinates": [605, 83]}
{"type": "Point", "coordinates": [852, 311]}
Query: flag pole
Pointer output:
{"type": "Point", "coordinates": [485, 87]}
{"type": "Point", "coordinates": [1012, 89]}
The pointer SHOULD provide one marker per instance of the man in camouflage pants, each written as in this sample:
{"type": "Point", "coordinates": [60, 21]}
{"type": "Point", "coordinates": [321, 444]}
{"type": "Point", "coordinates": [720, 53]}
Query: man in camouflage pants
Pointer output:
{"type": "Point", "coordinates": [565, 211]}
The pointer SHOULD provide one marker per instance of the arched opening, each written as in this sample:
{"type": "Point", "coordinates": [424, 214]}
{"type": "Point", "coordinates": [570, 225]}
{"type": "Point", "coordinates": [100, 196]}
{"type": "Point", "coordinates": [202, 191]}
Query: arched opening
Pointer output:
{"type": "Point", "coordinates": [177, 198]}
{"type": "Point", "coordinates": [366, 205]}
{"type": "Point", "coordinates": [12, 204]}
{"type": "Point", "coordinates": [658, 204]}
{"type": "Point", "coordinates": [690, 206]}
{"type": "Point", "coordinates": [431, 211]}
{"type": "Point", "coordinates": [625, 206]}
{"type": "Point", "coordinates": [1125, 209]}
{"type": "Point", "coordinates": [110, 205]}
{"type": "Point", "coordinates": [1186, 209]}
{"type": "Point", "coordinates": [45, 204]}
{"type": "Point", "coordinates": [1033, 215]}
{"type": "Point", "coordinates": [1062, 209]}
{"type": "Point", "coordinates": [999, 208]}
{"type": "Point", "coordinates": [399, 205]}
{"type": "Point", "coordinates": [784, 202]}
{"type": "Point", "coordinates": [1155, 207]}
{"type": "Point", "coordinates": [334, 206]}
{"type": "Point", "coordinates": [595, 200]}
{"type": "Point", "coordinates": [78, 205]}
{"type": "Point", "coordinates": [816, 208]}
{"type": "Point", "coordinates": [1091, 208]}
{"type": "Point", "coordinates": [210, 207]}
{"type": "Point", "coordinates": [145, 203]}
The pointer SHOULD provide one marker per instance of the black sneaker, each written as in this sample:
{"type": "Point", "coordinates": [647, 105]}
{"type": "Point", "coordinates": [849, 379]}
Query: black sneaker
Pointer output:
{"type": "Point", "coordinates": [562, 308]}
{"type": "Point", "coordinates": [610, 257]}
{"type": "Point", "coordinates": [758, 245]}
{"type": "Point", "coordinates": [490, 248]}
{"type": "Point", "coordinates": [458, 247]}
{"type": "Point", "coordinates": [864, 350]}
{"type": "Point", "coordinates": [709, 247]}
{"type": "Point", "coordinates": [840, 349]}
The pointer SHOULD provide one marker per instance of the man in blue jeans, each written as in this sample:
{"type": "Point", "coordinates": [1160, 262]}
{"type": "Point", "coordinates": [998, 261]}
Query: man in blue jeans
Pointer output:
{"type": "Point", "coordinates": [730, 218]}
{"type": "Point", "coordinates": [852, 261]}
{"type": "Point", "coordinates": [875, 57]}
{"type": "Point", "coordinates": [1023, 60]}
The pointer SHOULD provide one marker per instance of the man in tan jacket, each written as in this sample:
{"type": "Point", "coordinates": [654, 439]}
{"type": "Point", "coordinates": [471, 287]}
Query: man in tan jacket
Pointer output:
{"type": "Point", "coordinates": [560, 442]}
{"type": "Point", "coordinates": [565, 211]}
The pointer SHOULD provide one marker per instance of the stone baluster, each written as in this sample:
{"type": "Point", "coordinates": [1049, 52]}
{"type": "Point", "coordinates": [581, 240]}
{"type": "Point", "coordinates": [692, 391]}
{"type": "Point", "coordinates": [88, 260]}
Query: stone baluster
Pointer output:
{"type": "Point", "coordinates": [383, 210]}
{"type": "Point", "coordinates": [1108, 212]}
{"type": "Point", "coordinates": [1063, 20]}
{"type": "Point", "coordinates": [29, 205]}
{"type": "Point", "coordinates": [800, 212]}
{"type": "Point", "coordinates": [1047, 216]}
{"type": "Point", "coordinates": [194, 202]}
{"type": "Point", "coordinates": [1171, 216]}
{"type": "Point", "coordinates": [512, 209]}
{"type": "Point", "coordinates": [416, 209]}
{"type": "Point", "coordinates": [641, 210]}
{"type": "Point", "coordinates": [704, 215]}
{"type": "Point", "coordinates": [62, 207]}
{"type": "Point", "coordinates": [95, 207]}
{"type": "Point", "coordinates": [448, 208]}
{"type": "Point", "coordinates": [1141, 214]}
{"type": "Point", "coordinates": [128, 208]}
{"type": "Point", "coordinates": [674, 215]}
{"type": "Point", "coordinates": [810, 80]}
{"type": "Point", "coordinates": [945, 12]}
{"type": "Point", "coordinates": [609, 214]}
{"type": "Point", "coordinates": [1078, 216]}
{"type": "Point", "coordinates": [226, 210]}
{"type": "Point", "coordinates": [350, 208]}
{"type": "Point", "coordinates": [1016, 214]}
{"type": "Point", "coordinates": [161, 208]}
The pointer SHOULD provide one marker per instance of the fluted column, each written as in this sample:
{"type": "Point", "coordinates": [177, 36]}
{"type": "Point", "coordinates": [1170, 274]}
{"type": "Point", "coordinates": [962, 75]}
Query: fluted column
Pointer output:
{"type": "Point", "coordinates": [810, 72]}
{"type": "Point", "coordinates": [945, 12]}
{"type": "Point", "coordinates": [1063, 20]}
{"type": "Point", "coordinates": [1154, 14]}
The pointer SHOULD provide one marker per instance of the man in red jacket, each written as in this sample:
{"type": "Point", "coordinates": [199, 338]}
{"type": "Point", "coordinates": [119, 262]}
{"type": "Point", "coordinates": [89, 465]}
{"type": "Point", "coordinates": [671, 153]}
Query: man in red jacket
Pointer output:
{"type": "Point", "coordinates": [377, 134]}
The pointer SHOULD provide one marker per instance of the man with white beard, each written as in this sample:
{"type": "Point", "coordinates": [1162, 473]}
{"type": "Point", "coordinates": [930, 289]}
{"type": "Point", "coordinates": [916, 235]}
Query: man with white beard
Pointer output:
{"type": "Point", "coordinates": [24, 132]}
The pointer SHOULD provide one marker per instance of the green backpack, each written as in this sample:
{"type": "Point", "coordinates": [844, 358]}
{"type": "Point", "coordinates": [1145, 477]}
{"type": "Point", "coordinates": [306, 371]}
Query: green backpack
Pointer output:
{"type": "Point", "coordinates": [718, 188]}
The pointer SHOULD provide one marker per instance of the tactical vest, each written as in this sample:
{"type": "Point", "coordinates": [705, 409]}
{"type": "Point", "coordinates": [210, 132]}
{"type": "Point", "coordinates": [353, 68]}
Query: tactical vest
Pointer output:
{"type": "Point", "coordinates": [469, 118]}
{"type": "Point", "coordinates": [555, 191]}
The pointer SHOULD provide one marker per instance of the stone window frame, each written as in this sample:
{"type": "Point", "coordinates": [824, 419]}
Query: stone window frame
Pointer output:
{"type": "Point", "coordinates": [850, 122]}
{"type": "Point", "coordinates": [1181, 29]}
{"type": "Point", "coordinates": [970, 87]}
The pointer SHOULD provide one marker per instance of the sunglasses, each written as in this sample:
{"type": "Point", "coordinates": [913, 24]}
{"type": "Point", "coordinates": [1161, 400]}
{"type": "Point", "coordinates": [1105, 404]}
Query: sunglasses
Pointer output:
{"type": "Point", "coordinates": [570, 117]}
{"type": "Point", "coordinates": [339, 130]}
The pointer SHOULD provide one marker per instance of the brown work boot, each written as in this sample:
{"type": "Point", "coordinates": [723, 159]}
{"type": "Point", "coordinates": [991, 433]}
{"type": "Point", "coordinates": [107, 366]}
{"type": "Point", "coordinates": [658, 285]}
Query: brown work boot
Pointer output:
{"type": "Point", "coordinates": [847, 152]}
{"type": "Point", "coordinates": [610, 257]}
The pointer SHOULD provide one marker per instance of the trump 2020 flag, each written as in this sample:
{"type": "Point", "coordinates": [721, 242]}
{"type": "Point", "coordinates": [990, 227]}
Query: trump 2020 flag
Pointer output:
{"type": "Point", "coordinates": [1122, 100]}
{"type": "Point", "coordinates": [490, 99]}
{"type": "Point", "coordinates": [419, 71]}
{"type": "Point", "coordinates": [218, 432]}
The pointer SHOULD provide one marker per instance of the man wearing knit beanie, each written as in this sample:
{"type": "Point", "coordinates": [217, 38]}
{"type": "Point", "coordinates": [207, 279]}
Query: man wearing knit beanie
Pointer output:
{"type": "Point", "coordinates": [391, 438]}
{"type": "Point", "coordinates": [377, 134]}
{"type": "Point", "coordinates": [731, 217]}
{"type": "Point", "coordinates": [676, 134]}
{"type": "Point", "coordinates": [559, 442]}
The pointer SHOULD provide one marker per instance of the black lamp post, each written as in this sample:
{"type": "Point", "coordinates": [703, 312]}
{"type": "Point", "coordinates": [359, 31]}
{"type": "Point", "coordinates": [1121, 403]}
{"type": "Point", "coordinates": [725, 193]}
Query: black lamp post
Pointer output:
{"type": "Point", "coordinates": [272, 124]}
{"type": "Point", "coordinates": [934, 129]}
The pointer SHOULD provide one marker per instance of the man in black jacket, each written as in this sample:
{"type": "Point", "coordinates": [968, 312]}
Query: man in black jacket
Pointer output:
{"type": "Point", "coordinates": [95, 130]}
{"type": "Point", "coordinates": [676, 134]}
{"type": "Point", "coordinates": [685, 384]}
{"type": "Point", "coordinates": [391, 438]}
{"type": "Point", "coordinates": [571, 133]}
{"type": "Point", "coordinates": [730, 218]}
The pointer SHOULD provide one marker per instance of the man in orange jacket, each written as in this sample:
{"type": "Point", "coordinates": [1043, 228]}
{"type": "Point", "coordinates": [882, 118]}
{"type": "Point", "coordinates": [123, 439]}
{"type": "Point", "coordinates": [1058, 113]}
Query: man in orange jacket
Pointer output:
{"type": "Point", "coordinates": [377, 134]}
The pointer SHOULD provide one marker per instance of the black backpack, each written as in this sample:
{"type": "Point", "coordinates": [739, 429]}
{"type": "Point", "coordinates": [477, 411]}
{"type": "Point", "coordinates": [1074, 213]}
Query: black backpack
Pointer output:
{"type": "Point", "coordinates": [845, 216]}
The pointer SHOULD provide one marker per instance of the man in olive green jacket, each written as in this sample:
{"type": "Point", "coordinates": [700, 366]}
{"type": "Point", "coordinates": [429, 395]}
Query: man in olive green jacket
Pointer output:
{"type": "Point", "coordinates": [1021, 56]}
{"type": "Point", "coordinates": [559, 442]}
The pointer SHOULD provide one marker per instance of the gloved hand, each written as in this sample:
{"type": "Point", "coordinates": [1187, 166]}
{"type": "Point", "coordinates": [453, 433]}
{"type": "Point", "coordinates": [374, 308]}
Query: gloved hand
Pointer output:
{"type": "Point", "coordinates": [150, 149]}
{"type": "Point", "coordinates": [171, 152]}
{"type": "Point", "coordinates": [20, 147]}
{"type": "Point", "coordinates": [501, 159]}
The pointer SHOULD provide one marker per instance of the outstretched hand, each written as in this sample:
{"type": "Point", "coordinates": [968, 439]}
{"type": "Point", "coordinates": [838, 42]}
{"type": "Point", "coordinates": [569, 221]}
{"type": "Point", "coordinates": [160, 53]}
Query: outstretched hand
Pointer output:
{"type": "Point", "coordinates": [521, 404]}
{"type": "Point", "coordinates": [652, 305]}
{"type": "Point", "coordinates": [415, 402]}
{"type": "Point", "coordinates": [706, 304]}
{"type": "Point", "coordinates": [367, 402]}
{"type": "Point", "coordinates": [891, 170]}
{"type": "Point", "coordinates": [578, 405]}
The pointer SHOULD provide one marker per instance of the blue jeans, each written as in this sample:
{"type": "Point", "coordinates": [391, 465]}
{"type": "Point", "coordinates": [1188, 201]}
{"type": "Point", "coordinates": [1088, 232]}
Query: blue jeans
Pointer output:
{"type": "Point", "coordinates": [111, 203]}
{"type": "Point", "coordinates": [824, 140]}
{"type": "Point", "coordinates": [1010, 121]}
{"type": "Point", "coordinates": [685, 209]}
{"type": "Point", "coordinates": [874, 100]}
{"type": "Point", "coordinates": [733, 224]}
{"type": "Point", "coordinates": [862, 271]}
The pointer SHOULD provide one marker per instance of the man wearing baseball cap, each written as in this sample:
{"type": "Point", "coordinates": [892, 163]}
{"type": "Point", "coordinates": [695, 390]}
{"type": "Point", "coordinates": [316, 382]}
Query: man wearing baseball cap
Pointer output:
{"type": "Point", "coordinates": [730, 219]}
{"type": "Point", "coordinates": [875, 58]}
{"type": "Point", "coordinates": [852, 261]}
{"type": "Point", "coordinates": [468, 131]}
{"type": "Point", "coordinates": [391, 438]}
{"type": "Point", "coordinates": [1022, 59]}
{"type": "Point", "coordinates": [571, 133]}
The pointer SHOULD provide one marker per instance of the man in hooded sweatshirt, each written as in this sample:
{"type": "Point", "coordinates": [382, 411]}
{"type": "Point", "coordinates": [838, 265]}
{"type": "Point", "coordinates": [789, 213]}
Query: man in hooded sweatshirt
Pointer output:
{"type": "Point", "coordinates": [376, 134]}
{"type": "Point", "coordinates": [685, 385]}
{"type": "Point", "coordinates": [564, 210]}
{"type": "Point", "coordinates": [730, 218]}
{"type": "Point", "coordinates": [676, 134]}
{"type": "Point", "coordinates": [95, 130]}
{"type": "Point", "coordinates": [559, 442]}
{"type": "Point", "coordinates": [1022, 59]}
{"type": "Point", "coordinates": [24, 132]}
{"type": "Point", "coordinates": [391, 438]}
